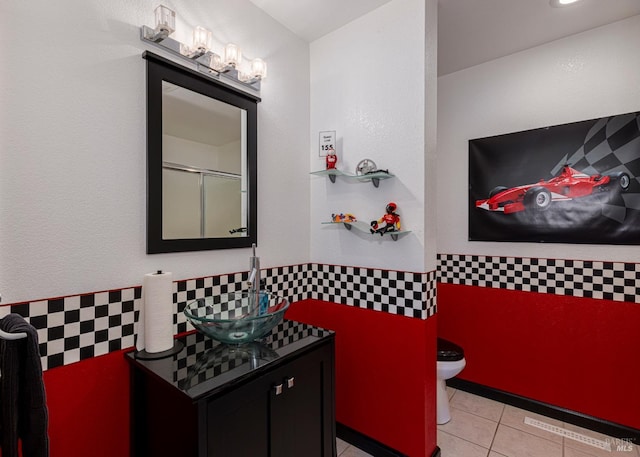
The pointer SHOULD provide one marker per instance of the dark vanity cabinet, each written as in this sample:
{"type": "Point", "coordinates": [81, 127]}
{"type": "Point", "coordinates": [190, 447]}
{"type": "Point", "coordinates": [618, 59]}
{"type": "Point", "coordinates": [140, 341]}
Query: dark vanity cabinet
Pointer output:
{"type": "Point", "coordinates": [273, 398]}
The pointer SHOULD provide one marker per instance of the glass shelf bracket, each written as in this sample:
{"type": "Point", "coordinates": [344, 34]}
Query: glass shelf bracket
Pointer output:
{"type": "Point", "coordinates": [375, 177]}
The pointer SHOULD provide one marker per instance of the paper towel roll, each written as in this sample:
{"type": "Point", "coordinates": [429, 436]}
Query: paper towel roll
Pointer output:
{"type": "Point", "coordinates": [155, 329]}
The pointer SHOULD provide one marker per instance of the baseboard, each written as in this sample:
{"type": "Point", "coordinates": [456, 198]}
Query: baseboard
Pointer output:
{"type": "Point", "coordinates": [367, 444]}
{"type": "Point", "coordinates": [555, 412]}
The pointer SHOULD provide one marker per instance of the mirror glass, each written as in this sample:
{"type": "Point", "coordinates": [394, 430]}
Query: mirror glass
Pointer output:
{"type": "Point", "coordinates": [203, 168]}
{"type": "Point", "coordinates": [201, 157]}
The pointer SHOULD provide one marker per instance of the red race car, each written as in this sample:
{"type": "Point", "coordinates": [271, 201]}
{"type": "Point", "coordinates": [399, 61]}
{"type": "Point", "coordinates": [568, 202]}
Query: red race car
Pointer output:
{"type": "Point", "coordinates": [569, 184]}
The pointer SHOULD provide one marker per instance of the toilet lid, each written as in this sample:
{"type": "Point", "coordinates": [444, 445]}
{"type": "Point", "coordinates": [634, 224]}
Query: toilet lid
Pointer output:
{"type": "Point", "coordinates": [448, 351]}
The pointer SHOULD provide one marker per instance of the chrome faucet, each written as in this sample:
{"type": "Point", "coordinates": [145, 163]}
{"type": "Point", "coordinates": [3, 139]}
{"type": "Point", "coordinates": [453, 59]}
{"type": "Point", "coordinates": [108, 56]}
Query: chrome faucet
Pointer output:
{"type": "Point", "coordinates": [254, 277]}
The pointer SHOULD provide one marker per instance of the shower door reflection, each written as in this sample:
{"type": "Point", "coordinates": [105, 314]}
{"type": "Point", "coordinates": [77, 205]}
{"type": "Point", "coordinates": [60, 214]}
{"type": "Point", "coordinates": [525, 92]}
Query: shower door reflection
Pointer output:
{"type": "Point", "coordinates": [201, 203]}
{"type": "Point", "coordinates": [224, 212]}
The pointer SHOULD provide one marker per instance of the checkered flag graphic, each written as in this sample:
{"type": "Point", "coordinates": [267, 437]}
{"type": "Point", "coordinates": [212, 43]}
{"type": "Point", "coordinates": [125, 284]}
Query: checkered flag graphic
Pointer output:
{"type": "Point", "coordinates": [611, 145]}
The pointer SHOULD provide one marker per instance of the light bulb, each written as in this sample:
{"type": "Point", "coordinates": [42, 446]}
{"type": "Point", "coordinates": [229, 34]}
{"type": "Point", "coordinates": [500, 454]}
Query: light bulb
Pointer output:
{"type": "Point", "coordinates": [201, 39]}
{"type": "Point", "coordinates": [562, 3]}
{"type": "Point", "coordinates": [165, 20]}
{"type": "Point", "coordinates": [258, 69]}
{"type": "Point", "coordinates": [215, 62]}
{"type": "Point", "coordinates": [232, 55]}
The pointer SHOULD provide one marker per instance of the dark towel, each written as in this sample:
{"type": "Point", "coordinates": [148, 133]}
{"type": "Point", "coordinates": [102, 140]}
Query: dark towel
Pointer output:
{"type": "Point", "coordinates": [22, 397]}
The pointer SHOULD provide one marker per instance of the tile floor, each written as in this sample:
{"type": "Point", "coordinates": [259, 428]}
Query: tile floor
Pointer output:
{"type": "Point", "coordinates": [480, 427]}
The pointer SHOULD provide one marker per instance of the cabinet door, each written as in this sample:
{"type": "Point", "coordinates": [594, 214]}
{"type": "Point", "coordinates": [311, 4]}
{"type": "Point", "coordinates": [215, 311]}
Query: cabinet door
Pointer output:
{"type": "Point", "coordinates": [287, 412]}
{"type": "Point", "coordinates": [237, 424]}
{"type": "Point", "coordinates": [299, 414]}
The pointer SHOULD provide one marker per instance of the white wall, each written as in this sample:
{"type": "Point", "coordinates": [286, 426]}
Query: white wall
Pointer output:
{"type": "Point", "coordinates": [585, 76]}
{"type": "Point", "coordinates": [368, 84]}
{"type": "Point", "coordinates": [73, 151]}
{"type": "Point", "coordinates": [227, 157]}
{"type": "Point", "coordinates": [430, 134]}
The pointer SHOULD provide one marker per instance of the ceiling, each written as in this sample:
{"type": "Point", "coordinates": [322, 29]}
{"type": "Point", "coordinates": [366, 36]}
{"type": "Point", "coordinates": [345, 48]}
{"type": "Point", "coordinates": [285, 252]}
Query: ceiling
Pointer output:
{"type": "Point", "coordinates": [190, 115]}
{"type": "Point", "coordinates": [469, 31]}
{"type": "Point", "coordinates": [475, 31]}
{"type": "Point", "coordinates": [311, 19]}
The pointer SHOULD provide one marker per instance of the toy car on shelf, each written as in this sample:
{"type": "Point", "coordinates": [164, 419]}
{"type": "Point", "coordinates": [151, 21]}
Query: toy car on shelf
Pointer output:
{"type": "Point", "coordinates": [568, 185]}
{"type": "Point", "coordinates": [343, 217]}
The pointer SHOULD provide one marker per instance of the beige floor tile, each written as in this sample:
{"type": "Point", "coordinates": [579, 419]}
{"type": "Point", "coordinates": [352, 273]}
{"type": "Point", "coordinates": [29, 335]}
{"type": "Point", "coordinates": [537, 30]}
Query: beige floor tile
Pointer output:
{"type": "Point", "coordinates": [341, 445]}
{"type": "Point", "coordinates": [470, 427]}
{"type": "Point", "coordinates": [480, 406]}
{"type": "Point", "coordinates": [625, 450]}
{"type": "Point", "coordinates": [570, 452]}
{"type": "Point", "coordinates": [514, 417]}
{"type": "Point", "coordinates": [452, 446]}
{"type": "Point", "coordinates": [495, 454]}
{"type": "Point", "coordinates": [516, 443]}
{"type": "Point", "coordinates": [450, 392]}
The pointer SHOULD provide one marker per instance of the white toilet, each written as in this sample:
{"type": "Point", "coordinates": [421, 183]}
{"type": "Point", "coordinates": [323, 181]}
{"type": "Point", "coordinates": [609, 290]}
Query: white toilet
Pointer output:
{"type": "Point", "coordinates": [450, 362]}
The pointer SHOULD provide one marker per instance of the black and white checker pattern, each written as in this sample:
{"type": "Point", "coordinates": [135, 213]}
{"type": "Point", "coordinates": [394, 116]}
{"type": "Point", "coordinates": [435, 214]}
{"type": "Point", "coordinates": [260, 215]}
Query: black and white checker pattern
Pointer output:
{"type": "Point", "coordinates": [611, 145]}
{"type": "Point", "coordinates": [429, 290]}
{"type": "Point", "coordinates": [189, 290]}
{"type": "Point", "coordinates": [288, 332]}
{"type": "Point", "coordinates": [288, 282]}
{"type": "Point", "coordinates": [395, 292]}
{"type": "Point", "coordinates": [204, 359]}
{"type": "Point", "coordinates": [78, 327]}
{"type": "Point", "coordinates": [617, 281]}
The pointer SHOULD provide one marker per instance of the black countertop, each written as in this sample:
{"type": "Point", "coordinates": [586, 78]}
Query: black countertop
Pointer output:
{"type": "Point", "coordinates": [206, 367]}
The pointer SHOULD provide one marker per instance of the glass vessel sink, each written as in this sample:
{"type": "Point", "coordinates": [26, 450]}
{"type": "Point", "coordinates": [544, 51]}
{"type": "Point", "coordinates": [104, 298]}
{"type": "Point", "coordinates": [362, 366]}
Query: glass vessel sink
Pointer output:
{"type": "Point", "coordinates": [236, 318]}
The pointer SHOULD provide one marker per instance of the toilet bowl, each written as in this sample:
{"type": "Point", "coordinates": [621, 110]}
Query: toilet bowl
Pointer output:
{"type": "Point", "coordinates": [450, 362]}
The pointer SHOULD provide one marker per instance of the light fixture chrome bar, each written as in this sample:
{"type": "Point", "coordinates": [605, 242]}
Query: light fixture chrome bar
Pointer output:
{"type": "Point", "coordinates": [204, 171]}
{"type": "Point", "coordinates": [202, 60]}
{"type": "Point", "coordinates": [149, 35]}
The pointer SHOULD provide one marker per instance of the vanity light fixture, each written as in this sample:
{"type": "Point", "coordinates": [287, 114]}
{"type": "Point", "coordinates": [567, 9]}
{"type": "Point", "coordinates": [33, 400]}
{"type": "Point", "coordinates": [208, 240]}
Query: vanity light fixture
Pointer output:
{"type": "Point", "coordinates": [226, 65]}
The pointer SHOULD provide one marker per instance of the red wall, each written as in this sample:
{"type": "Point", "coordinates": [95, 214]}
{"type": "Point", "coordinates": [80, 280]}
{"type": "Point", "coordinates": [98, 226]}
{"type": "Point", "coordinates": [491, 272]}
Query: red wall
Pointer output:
{"type": "Point", "coordinates": [576, 353]}
{"type": "Point", "coordinates": [385, 373]}
{"type": "Point", "coordinates": [88, 406]}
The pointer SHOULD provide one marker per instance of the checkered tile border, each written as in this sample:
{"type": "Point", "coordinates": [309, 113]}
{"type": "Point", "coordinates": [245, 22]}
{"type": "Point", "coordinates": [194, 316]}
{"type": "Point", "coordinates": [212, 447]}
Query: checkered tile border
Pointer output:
{"type": "Point", "coordinates": [616, 281]}
{"type": "Point", "coordinates": [79, 327]}
{"type": "Point", "coordinates": [395, 292]}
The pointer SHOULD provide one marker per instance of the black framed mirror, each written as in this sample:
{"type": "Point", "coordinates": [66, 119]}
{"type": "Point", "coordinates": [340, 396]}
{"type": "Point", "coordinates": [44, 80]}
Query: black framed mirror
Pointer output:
{"type": "Point", "coordinates": [201, 161]}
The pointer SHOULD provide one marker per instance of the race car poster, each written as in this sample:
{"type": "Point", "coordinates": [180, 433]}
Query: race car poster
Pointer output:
{"type": "Point", "coordinates": [572, 183]}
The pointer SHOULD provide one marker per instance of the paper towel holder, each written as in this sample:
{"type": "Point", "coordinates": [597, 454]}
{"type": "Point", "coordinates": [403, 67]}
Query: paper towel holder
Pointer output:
{"type": "Point", "coordinates": [144, 355]}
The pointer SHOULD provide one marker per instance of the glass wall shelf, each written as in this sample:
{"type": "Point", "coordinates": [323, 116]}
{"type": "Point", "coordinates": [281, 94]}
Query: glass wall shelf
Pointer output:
{"type": "Point", "coordinates": [374, 177]}
{"type": "Point", "coordinates": [366, 228]}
